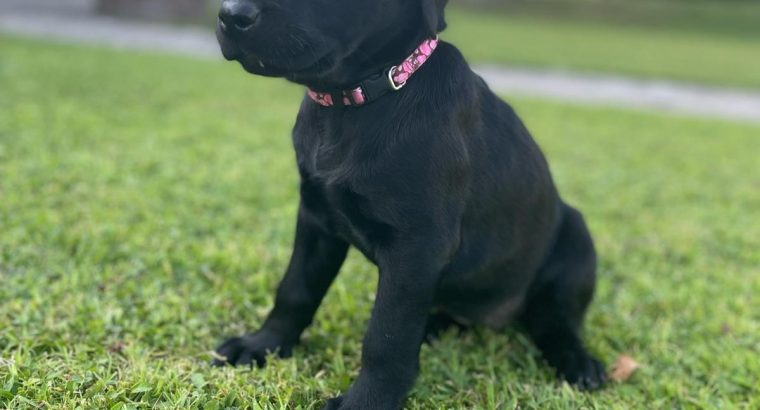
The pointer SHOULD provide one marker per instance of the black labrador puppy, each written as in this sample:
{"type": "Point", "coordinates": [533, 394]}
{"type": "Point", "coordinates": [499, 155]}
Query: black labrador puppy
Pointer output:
{"type": "Point", "coordinates": [406, 154]}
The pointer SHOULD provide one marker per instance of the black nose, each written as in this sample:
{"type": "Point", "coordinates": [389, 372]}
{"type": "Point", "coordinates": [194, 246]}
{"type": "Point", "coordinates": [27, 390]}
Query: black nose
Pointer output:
{"type": "Point", "coordinates": [238, 15]}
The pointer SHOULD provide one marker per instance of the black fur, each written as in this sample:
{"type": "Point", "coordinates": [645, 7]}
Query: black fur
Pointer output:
{"type": "Point", "coordinates": [439, 184]}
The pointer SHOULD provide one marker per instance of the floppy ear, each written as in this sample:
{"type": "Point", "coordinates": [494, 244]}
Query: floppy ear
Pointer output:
{"type": "Point", "coordinates": [432, 10]}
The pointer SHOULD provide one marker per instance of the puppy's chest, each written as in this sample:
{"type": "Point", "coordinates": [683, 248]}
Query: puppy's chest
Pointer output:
{"type": "Point", "coordinates": [342, 211]}
{"type": "Point", "coordinates": [334, 160]}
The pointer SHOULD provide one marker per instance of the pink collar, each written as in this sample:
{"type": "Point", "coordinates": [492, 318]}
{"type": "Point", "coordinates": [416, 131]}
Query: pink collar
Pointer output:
{"type": "Point", "coordinates": [372, 88]}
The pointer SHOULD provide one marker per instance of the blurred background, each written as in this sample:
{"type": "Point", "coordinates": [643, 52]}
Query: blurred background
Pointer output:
{"type": "Point", "coordinates": [148, 194]}
{"type": "Point", "coordinates": [529, 47]}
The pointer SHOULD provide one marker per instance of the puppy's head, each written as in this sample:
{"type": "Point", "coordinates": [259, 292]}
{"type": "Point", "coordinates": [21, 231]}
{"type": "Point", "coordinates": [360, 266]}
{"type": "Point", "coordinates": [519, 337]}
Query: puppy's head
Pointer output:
{"type": "Point", "coordinates": [323, 42]}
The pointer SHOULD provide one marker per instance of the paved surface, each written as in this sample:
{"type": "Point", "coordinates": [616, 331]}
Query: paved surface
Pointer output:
{"type": "Point", "coordinates": [619, 91]}
{"type": "Point", "coordinates": [78, 28]}
{"type": "Point", "coordinates": [73, 21]}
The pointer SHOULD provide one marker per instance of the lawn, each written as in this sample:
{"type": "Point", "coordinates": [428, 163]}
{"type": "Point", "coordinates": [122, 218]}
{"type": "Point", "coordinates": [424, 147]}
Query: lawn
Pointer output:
{"type": "Point", "coordinates": [729, 17]}
{"type": "Point", "coordinates": [685, 47]}
{"type": "Point", "coordinates": [146, 212]}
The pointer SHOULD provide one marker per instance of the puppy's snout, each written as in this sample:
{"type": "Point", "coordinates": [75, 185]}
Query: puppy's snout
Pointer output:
{"type": "Point", "coordinates": [239, 15]}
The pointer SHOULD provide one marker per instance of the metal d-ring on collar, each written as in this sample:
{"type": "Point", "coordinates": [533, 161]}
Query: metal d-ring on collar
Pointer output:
{"type": "Point", "coordinates": [393, 85]}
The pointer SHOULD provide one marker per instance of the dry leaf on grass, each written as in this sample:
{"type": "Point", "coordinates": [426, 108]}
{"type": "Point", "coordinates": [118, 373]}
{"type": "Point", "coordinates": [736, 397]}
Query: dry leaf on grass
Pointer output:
{"type": "Point", "coordinates": [623, 368]}
{"type": "Point", "coordinates": [116, 347]}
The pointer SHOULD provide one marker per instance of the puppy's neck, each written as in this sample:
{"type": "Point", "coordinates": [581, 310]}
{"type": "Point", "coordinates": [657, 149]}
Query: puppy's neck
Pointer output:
{"type": "Point", "coordinates": [371, 57]}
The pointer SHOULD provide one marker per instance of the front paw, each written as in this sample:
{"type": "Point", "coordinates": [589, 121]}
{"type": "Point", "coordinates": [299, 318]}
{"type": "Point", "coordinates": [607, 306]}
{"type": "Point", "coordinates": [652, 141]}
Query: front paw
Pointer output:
{"type": "Point", "coordinates": [252, 348]}
{"type": "Point", "coordinates": [344, 403]}
{"type": "Point", "coordinates": [582, 371]}
{"type": "Point", "coordinates": [353, 401]}
{"type": "Point", "coordinates": [334, 404]}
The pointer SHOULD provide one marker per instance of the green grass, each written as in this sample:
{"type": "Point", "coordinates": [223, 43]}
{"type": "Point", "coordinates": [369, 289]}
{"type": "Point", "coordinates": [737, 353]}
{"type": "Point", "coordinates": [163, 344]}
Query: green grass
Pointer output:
{"type": "Point", "coordinates": [728, 17]}
{"type": "Point", "coordinates": [147, 207]}
{"type": "Point", "coordinates": [680, 52]}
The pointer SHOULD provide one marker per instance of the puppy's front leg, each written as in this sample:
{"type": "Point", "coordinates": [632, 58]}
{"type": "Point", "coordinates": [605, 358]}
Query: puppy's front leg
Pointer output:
{"type": "Point", "coordinates": [317, 257]}
{"type": "Point", "coordinates": [390, 356]}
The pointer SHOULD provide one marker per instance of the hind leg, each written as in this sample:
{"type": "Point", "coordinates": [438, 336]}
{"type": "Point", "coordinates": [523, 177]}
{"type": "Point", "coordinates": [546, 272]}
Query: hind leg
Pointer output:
{"type": "Point", "coordinates": [556, 305]}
